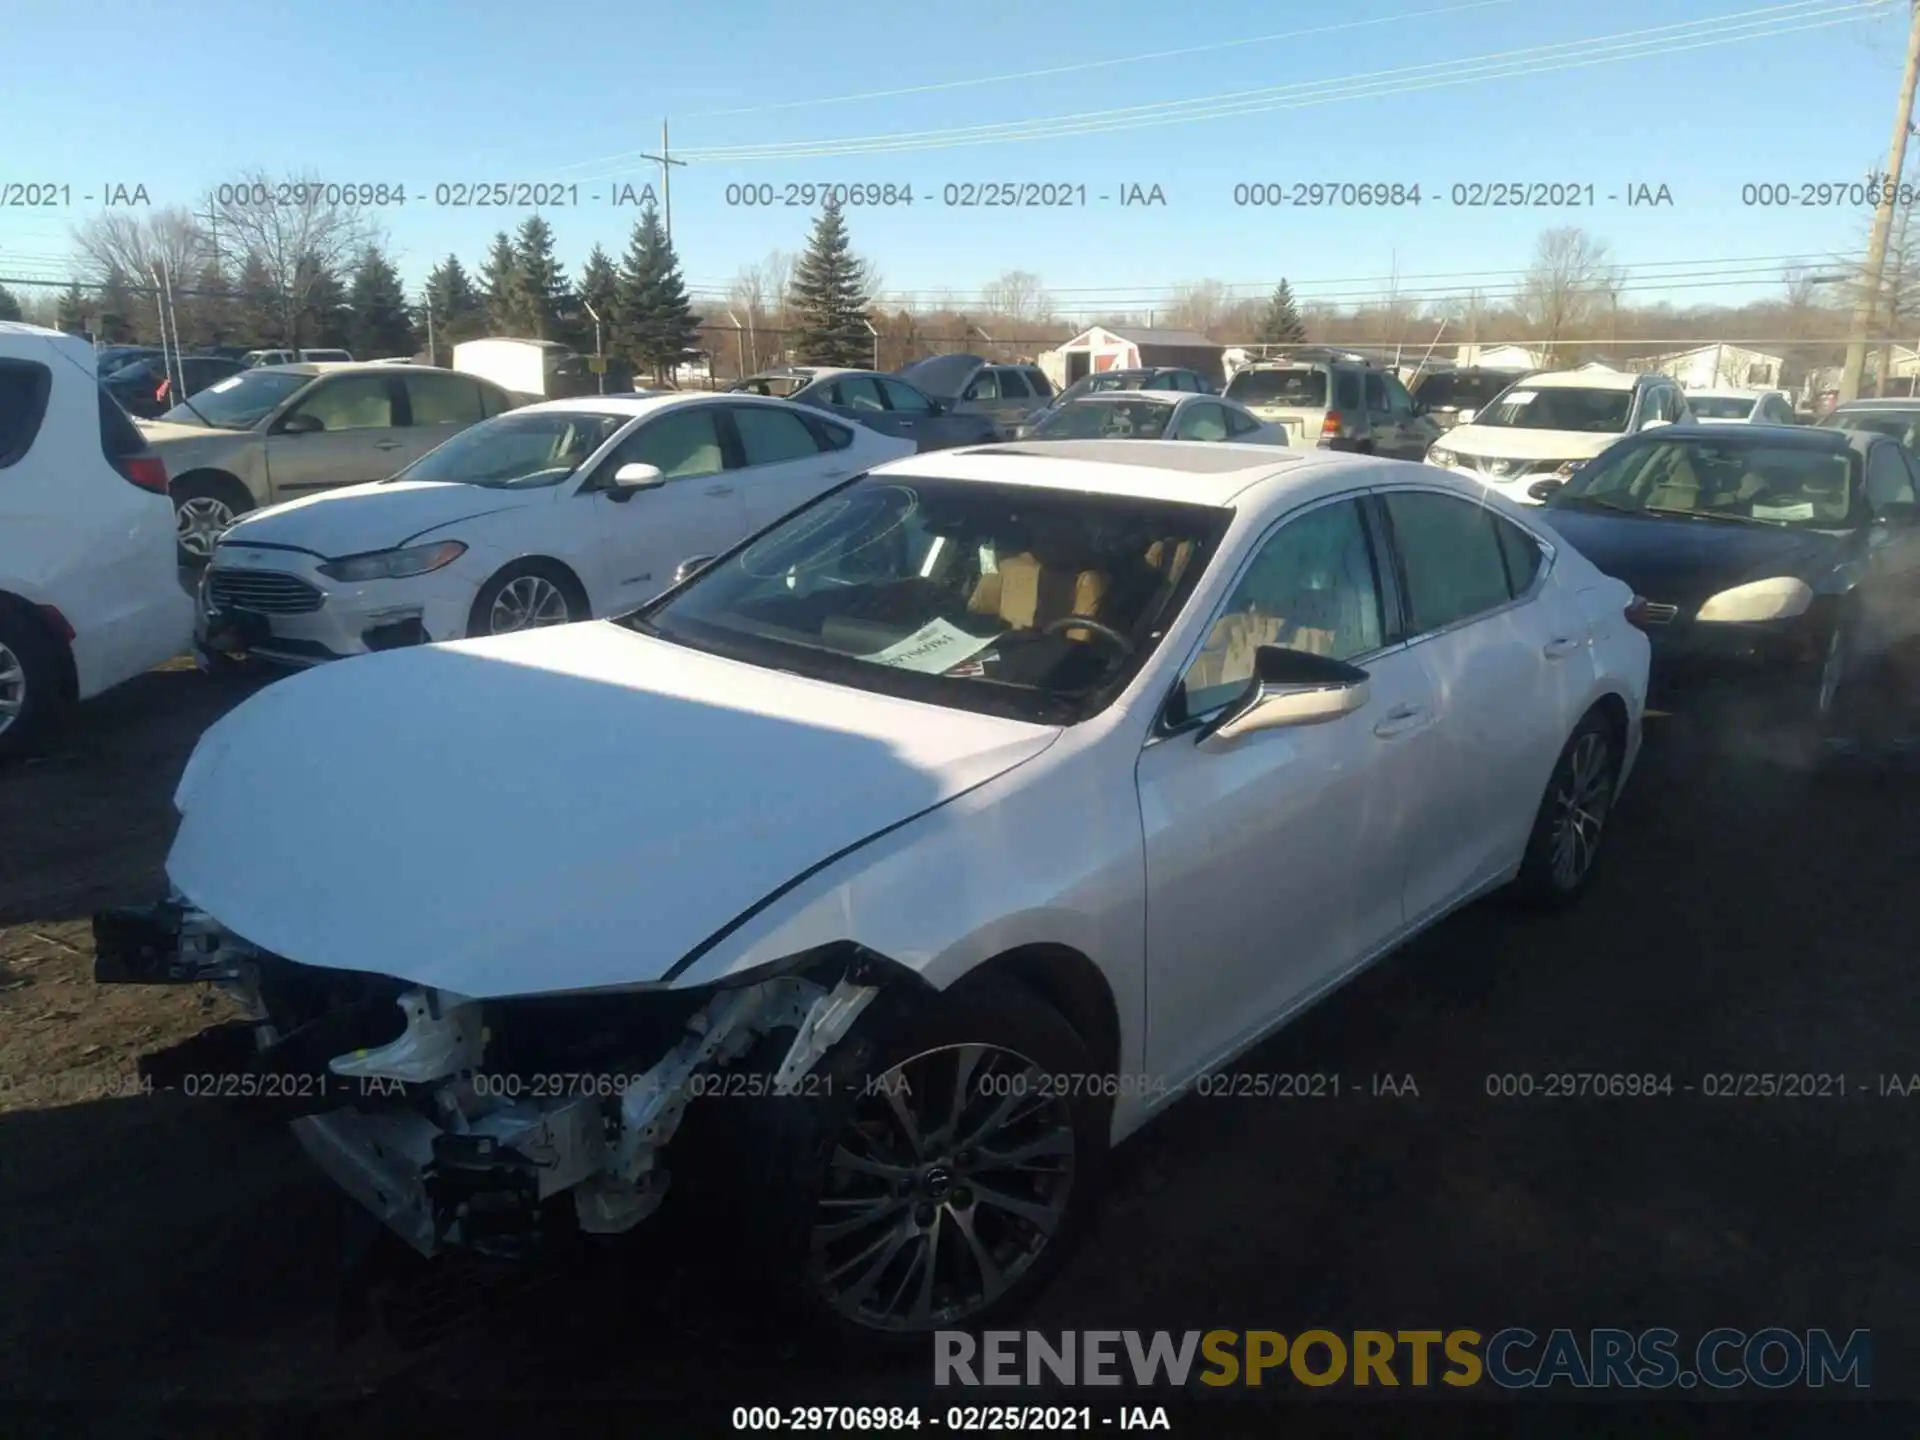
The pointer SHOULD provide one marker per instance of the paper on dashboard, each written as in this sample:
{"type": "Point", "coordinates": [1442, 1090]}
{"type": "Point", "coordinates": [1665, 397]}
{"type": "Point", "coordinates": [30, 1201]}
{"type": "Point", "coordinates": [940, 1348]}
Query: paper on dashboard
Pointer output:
{"type": "Point", "coordinates": [934, 647]}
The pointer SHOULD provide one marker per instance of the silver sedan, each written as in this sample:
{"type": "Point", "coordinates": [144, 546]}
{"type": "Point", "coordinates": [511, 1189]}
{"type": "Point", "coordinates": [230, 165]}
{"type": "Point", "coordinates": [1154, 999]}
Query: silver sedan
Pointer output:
{"type": "Point", "coordinates": [1155, 415]}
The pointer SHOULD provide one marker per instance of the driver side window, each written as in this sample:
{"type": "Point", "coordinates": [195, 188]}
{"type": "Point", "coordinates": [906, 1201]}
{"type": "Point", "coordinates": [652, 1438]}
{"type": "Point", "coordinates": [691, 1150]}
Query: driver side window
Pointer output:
{"type": "Point", "coordinates": [350, 402]}
{"type": "Point", "coordinates": [1311, 586]}
{"type": "Point", "coordinates": [1889, 482]}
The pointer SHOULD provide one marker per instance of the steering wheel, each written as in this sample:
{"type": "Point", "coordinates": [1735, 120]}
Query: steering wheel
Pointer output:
{"type": "Point", "coordinates": [1081, 622]}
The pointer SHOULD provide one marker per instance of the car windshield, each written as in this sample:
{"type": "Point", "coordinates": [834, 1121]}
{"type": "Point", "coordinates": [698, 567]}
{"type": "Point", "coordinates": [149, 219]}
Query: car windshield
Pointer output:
{"type": "Point", "coordinates": [1106, 420]}
{"type": "Point", "coordinates": [1459, 392]}
{"type": "Point", "coordinates": [958, 593]}
{"type": "Point", "coordinates": [1304, 388]}
{"type": "Point", "coordinates": [240, 401]}
{"type": "Point", "coordinates": [518, 451]}
{"type": "Point", "coordinates": [1902, 425]}
{"type": "Point", "coordinates": [1739, 480]}
{"type": "Point", "coordinates": [1560, 407]}
{"type": "Point", "coordinates": [1720, 407]}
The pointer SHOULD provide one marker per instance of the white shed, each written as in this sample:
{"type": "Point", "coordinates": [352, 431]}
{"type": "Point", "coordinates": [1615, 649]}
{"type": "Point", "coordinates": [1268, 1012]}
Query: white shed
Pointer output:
{"type": "Point", "coordinates": [1498, 357]}
{"type": "Point", "coordinates": [1720, 364]}
{"type": "Point", "coordinates": [1126, 348]}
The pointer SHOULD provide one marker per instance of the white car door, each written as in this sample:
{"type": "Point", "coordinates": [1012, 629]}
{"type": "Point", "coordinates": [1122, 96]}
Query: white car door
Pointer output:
{"type": "Point", "coordinates": [642, 536]}
{"type": "Point", "coordinates": [1506, 674]}
{"type": "Point", "coordinates": [1275, 864]}
{"type": "Point", "coordinates": [782, 464]}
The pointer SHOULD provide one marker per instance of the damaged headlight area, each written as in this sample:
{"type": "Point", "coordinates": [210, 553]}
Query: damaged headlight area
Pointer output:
{"type": "Point", "coordinates": [487, 1125]}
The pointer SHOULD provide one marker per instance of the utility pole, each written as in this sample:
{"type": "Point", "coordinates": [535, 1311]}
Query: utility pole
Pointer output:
{"type": "Point", "coordinates": [1882, 220]}
{"type": "Point", "coordinates": [1897, 247]}
{"type": "Point", "coordinates": [666, 162]}
{"type": "Point", "coordinates": [433, 353]}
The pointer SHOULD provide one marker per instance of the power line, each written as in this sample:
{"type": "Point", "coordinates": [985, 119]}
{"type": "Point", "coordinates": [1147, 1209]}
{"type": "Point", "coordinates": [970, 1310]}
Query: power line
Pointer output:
{"type": "Point", "coordinates": [1086, 65]}
{"type": "Point", "coordinates": [1676, 38]}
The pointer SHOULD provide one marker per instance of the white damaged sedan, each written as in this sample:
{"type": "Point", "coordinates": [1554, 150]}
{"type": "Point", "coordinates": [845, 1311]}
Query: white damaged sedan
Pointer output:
{"type": "Point", "coordinates": [871, 883]}
{"type": "Point", "coordinates": [552, 513]}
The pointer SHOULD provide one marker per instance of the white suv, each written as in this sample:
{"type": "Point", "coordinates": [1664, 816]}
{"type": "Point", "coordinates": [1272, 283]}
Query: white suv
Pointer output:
{"type": "Point", "coordinates": [89, 595]}
{"type": "Point", "coordinates": [1545, 427]}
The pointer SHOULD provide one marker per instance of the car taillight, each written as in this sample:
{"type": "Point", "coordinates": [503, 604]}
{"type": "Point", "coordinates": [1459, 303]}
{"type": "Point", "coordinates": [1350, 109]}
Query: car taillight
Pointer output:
{"type": "Point", "coordinates": [149, 472]}
{"type": "Point", "coordinates": [1636, 612]}
{"type": "Point", "coordinates": [1330, 427]}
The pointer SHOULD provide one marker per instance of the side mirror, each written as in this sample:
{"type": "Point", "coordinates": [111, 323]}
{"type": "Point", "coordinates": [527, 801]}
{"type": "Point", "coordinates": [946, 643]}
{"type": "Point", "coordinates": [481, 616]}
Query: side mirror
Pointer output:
{"type": "Point", "coordinates": [636, 476]}
{"type": "Point", "coordinates": [937, 407]}
{"type": "Point", "coordinates": [1288, 688]}
{"type": "Point", "coordinates": [1654, 424]}
{"type": "Point", "coordinates": [1541, 489]}
{"type": "Point", "coordinates": [1465, 417]}
{"type": "Point", "coordinates": [301, 424]}
{"type": "Point", "coordinates": [690, 567]}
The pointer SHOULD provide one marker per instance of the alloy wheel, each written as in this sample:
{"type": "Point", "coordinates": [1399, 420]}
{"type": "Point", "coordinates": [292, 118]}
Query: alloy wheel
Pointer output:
{"type": "Point", "coordinates": [525, 603]}
{"type": "Point", "coordinates": [200, 522]}
{"type": "Point", "coordinates": [13, 688]}
{"type": "Point", "coordinates": [1580, 803]}
{"type": "Point", "coordinates": [948, 1180]}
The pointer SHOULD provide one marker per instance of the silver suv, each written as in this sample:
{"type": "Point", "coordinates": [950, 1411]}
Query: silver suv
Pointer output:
{"type": "Point", "coordinates": [1338, 401]}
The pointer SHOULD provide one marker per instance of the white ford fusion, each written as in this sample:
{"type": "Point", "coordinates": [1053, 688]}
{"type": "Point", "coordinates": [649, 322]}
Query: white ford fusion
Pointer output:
{"type": "Point", "coordinates": [544, 515]}
{"type": "Point", "coordinates": [939, 835]}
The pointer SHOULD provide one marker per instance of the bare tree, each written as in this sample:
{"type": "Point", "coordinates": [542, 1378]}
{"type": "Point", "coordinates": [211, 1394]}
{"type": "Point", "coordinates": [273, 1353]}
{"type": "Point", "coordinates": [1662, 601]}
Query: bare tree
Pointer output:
{"type": "Point", "coordinates": [1568, 282]}
{"type": "Point", "coordinates": [1017, 295]}
{"type": "Point", "coordinates": [300, 231]}
{"type": "Point", "coordinates": [1200, 306]}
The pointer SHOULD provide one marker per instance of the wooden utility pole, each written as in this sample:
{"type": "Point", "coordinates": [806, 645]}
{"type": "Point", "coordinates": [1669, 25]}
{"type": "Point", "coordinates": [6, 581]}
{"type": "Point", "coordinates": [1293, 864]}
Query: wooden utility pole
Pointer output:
{"type": "Point", "coordinates": [1870, 280]}
{"type": "Point", "coordinates": [666, 162]}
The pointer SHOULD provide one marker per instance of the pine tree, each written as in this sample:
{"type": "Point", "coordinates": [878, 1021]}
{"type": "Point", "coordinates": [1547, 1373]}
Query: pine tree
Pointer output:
{"type": "Point", "coordinates": [1281, 323]}
{"type": "Point", "coordinates": [9, 307]}
{"type": "Point", "coordinates": [324, 319]}
{"type": "Point", "coordinates": [381, 324]}
{"type": "Point", "coordinates": [259, 319]}
{"type": "Point", "coordinates": [600, 291]}
{"type": "Point", "coordinates": [208, 317]}
{"type": "Point", "coordinates": [499, 284]}
{"type": "Point", "coordinates": [458, 311]}
{"type": "Point", "coordinates": [74, 314]}
{"type": "Point", "coordinates": [543, 299]}
{"type": "Point", "coordinates": [655, 324]}
{"type": "Point", "coordinates": [115, 321]}
{"type": "Point", "coordinates": [829, 297]}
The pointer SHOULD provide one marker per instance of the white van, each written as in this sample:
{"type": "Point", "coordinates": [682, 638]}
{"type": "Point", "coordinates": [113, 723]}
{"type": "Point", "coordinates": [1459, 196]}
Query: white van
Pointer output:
{"type": "Point", "coordinates": [89, 592]}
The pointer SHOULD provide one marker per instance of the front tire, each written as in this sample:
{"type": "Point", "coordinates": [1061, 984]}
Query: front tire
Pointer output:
{"type": "Point", "coordinates": [32, 690]}
{"type": "Point", "coordinates": [527, 595]}
{"type": "Point", "coordinates": [941, 1180]}
{"type": "Point", "coordinates": [204, 506]}
{"type": "Point", "coordinates": [1563, 849]}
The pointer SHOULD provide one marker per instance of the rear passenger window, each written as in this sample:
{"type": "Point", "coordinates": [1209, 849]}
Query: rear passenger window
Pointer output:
{"type": "Point", "coordinates": [1452, 558]}
{"type": "Point", "coordinates": [24, 387]}
{"type": "Point", "coordinates": [1346, 390]}
{"type": "Point", "coordinates": [1522, 553]}
{"type": "Point", "coordinates": [772, 437]}
{"type": "Point", "coordinates": [1013, 386]}
{"type": "Point", "coordinates": [828, 435]}
{"type": "Point", "coordinates": [120, 438]}
{"type": "Point", "coordinates": [1042, 386]}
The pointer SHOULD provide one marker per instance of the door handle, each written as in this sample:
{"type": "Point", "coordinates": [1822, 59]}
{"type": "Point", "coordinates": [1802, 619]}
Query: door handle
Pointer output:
{"type": "Point", "coordinates": [387, 445]}
{"type": "Point", "coordinates": [1399, 720]}
{"type": "Point", "coordinates": [719, 490]}
{"type": "Point", "coordinates": [1560, 648]}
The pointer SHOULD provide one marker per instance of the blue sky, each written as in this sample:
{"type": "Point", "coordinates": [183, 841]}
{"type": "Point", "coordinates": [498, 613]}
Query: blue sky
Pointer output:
{"type": "Point", "coordinates": [432, 92]}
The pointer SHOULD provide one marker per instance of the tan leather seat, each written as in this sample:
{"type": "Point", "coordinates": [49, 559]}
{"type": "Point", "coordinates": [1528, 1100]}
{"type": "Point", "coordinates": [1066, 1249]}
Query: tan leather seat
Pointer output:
{"type": "Point", "coordinates": [1030, 596]}
{"type": "Point", "coordinates": [1680, 490]}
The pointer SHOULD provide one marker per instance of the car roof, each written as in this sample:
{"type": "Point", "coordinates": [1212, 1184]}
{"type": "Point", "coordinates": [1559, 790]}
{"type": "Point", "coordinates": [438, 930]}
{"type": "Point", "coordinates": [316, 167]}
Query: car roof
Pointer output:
{"type": "Point", "coordinates": [1807, 437]}
{"type": "Point", "coordinates": [1224, 475]}
{"type": "Point", "coordinates": [1885, 402]}
{"type": "Point", "coordinates": [640, 402]}
{"type": "Point", "coordinates": [1159, 397]}
{"type": "Point", "coordinates": [1585, 380]}
{"type": "Point", "coordinates": [1730, 392]}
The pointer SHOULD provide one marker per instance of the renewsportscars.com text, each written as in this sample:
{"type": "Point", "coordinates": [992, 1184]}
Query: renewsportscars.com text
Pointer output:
{"type": "Point", "coordinates": [1514, 1358]}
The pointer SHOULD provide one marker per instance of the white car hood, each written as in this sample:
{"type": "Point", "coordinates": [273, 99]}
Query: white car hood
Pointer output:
{"type": "Point", "coordinates": [358, 518]}
{"type": "Point", "coordinates": [1511, 444]}
{"type": "Point", "coordinates": [563, 809]}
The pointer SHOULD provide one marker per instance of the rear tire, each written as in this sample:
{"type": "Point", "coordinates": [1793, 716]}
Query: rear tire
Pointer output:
{"type": "Point", "coordinates": [791, 1166]}
{"type": "Point", "coordinates": [1563, 849]}
{"type": "Point", "coordinates": [33, 691]}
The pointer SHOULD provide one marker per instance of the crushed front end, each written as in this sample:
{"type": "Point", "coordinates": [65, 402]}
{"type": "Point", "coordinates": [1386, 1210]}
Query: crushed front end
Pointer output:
{"type": "Point", "coordinates": [480, 1125]}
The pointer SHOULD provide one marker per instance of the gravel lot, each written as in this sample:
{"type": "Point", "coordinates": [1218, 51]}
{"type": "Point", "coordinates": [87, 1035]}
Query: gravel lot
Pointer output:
{"type": "Point", "coordinates": [1749, 920]}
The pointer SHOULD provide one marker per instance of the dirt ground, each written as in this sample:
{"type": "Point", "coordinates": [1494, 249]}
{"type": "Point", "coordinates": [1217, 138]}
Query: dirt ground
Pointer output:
{"type": "Point", "coordinates": [1749, 920]}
